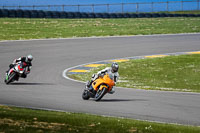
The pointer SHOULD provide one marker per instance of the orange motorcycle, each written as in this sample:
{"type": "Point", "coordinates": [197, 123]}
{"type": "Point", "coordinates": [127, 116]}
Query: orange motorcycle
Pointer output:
{"type": "Point", "coordinates": [99, 87]}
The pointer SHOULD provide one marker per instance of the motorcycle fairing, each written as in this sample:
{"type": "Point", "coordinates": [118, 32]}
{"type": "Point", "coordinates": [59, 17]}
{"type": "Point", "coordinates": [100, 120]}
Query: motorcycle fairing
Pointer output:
{"type": "Point", "coordinates": [106, 81]}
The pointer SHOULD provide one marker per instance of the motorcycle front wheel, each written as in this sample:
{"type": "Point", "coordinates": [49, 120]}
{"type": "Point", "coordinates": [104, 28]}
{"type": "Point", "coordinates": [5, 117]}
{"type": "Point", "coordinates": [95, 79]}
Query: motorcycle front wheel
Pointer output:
{"type": "Point", "coordinates": [85, 95]}
{"type": "Point", "coordinates": [100, 94]}
{"type": "Point", "coordinates": [10, 78]}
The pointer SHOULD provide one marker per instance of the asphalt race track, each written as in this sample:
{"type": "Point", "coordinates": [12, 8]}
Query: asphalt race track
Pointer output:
{"type": "Point", "coordinates": [46, 88]}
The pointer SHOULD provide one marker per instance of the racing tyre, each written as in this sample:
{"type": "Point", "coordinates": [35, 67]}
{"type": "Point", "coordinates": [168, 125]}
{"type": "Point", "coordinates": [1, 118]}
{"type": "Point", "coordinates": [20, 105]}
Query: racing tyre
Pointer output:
{"type": "Point", "coordinates": [85, 95]}
{"type": "Point", "coordinates": [10, 78]}
{"type": "Point", "coordinates": [100, 94]}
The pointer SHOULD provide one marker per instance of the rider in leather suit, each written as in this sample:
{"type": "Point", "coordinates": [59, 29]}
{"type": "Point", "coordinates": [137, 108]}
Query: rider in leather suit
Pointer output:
{"type": "Point", "coordinates": [26, 62]}
{"type": "Point", "coordinates": [113, 70]}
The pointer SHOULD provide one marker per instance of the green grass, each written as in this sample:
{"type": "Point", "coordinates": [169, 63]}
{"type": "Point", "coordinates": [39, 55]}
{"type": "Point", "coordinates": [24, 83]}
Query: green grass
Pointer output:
{"type": "Point", "coordinates": [21, 120]}
{"type": "Point", "coordinates": [18, 28]}
{"type": "Point", "coordinates": [172, 73]}
{"type": "Point", "coordinates": [26, 120]}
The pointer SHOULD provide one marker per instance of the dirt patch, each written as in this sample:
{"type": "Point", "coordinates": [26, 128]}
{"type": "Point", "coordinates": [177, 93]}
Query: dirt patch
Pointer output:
{"type": "Point", "coordinates": [23, 124]}
{"type": "Point", "coordinates": [5, 107]}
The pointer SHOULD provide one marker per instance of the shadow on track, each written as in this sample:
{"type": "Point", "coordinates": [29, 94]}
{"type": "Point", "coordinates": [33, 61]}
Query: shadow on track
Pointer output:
{"type": "Point", "coordinates": [23, 83]}
{"type": "Point", "coordinates": [121, 100]}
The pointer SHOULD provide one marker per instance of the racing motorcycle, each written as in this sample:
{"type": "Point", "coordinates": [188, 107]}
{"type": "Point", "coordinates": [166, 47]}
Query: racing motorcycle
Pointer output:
{"type": "Point", "coordinates": [15, 72]}
{"type": "Point", "coordinates": [100, 87]}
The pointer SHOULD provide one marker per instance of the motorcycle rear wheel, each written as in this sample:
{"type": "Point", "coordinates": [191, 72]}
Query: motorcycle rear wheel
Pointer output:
{"type": "Point", "coordinates": [100, 94]}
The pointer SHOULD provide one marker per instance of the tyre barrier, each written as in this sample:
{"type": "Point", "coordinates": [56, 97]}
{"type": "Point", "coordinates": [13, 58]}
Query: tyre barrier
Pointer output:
{"type": "Point", "coordinates": [19, 13]}
{"type": "Point", "coordinates": [26, 14]}
{"type": "Point", "coordinates": [113, 15]}
{"type": "Point", "coordinates": [12, 13]}
{"type": "Point", "coordinates": [4, 13]}
{"type": "Point", "coordinates": [70, 15]}
{"type": "Point", "coordinates": [41, 14]}
{"type": "Point", "coordinates": [91, 15]}
{"type": "Point", "coordinates": [34, 14]}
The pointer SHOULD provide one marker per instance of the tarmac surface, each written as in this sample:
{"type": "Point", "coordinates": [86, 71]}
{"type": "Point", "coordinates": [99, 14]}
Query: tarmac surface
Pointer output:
{"type": "Point", "coordinates": [46, 88]}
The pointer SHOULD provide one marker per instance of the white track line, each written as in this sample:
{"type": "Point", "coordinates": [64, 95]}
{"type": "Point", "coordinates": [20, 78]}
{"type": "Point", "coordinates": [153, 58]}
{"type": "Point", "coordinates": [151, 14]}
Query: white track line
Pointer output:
{"type": "Point", "coordinates": [170, 54]}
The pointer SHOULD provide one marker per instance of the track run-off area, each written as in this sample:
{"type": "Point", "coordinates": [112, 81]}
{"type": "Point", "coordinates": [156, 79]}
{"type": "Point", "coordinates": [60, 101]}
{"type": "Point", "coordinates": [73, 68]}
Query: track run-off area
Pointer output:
{"type": "Point", "coordinates": [45, 87]}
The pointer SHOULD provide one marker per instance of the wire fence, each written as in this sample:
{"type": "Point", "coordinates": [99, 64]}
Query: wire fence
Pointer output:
{"type": "Point", "coordinates": [116, 8]}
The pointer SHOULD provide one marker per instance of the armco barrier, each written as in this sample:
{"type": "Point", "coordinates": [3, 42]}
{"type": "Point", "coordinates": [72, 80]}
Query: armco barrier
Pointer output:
{"type": "Point", "coordinates": [69, 15]}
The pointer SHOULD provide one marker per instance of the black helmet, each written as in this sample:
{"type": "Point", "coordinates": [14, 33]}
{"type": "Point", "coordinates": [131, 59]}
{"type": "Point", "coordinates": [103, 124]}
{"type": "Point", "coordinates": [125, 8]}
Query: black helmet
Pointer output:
{"type": "Point", "coordinates": [114, 67]}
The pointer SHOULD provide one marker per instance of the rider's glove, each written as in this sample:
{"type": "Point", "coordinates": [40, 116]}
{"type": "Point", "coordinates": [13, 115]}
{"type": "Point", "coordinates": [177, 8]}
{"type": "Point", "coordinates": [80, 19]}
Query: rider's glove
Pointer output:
{"type": "Point", "coordinates": [11, 66]}
{"type": "Point", "coordinates": [100, 75]}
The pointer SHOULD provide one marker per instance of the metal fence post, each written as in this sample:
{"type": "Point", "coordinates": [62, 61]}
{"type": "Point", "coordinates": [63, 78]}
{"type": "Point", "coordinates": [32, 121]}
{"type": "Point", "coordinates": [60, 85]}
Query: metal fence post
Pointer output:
{"type": "Point", "coordinates": [108, 10]}
{"type": "Point", "coordinates": [63, 8]}
{"type": "Point", "coordinates": [48, 7]}
{"type": "Point", "coordinates": [93, 8]}
{"type": "Point", "coordinates": [108, 7]}
{"type": "Point", "coordinates": [78, 8]}
{"type": "Point", "coordinates": [152, 7]}
{"type": "Point", "coordinates": [181, 5]}
{"type": "Point", "coordinates": [167, 5]}
{"type": "Point", "coordinates": [122, 7]}
{"type": "Point", "coordinates": [137, 7]}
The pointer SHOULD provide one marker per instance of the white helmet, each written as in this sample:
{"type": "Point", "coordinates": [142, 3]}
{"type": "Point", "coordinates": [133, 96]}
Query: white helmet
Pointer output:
{"type": "Point", "coordinates": [29, 58]}
{"type": "Point", "coordinates": [114, 67]}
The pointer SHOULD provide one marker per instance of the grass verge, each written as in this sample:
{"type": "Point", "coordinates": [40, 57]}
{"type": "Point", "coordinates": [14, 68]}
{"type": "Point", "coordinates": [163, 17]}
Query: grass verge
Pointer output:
{"type": "Point", "coordinates": [21, 120]}
{"type": "Point", "coordinates": [20, 29]}
{"type": "Point", "coordinates": [171, 73]}
{"type": "Point", "coordinates": [182, 12]}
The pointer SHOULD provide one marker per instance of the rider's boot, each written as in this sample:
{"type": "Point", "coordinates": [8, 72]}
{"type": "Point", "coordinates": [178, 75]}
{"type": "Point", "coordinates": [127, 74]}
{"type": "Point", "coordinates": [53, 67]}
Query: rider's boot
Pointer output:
{"type": "Point", "coordinates": [23, 75]}
{"type": "Point", "coordinates": [17, 78]}
{"type": "Point", "coordinates": [112, 91]}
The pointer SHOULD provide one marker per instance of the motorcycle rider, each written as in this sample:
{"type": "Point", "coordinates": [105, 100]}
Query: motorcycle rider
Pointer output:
{"type": "Point", "coordinates": [113, 71]}
{"type": "Point", "coordinates": [26, 61]}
